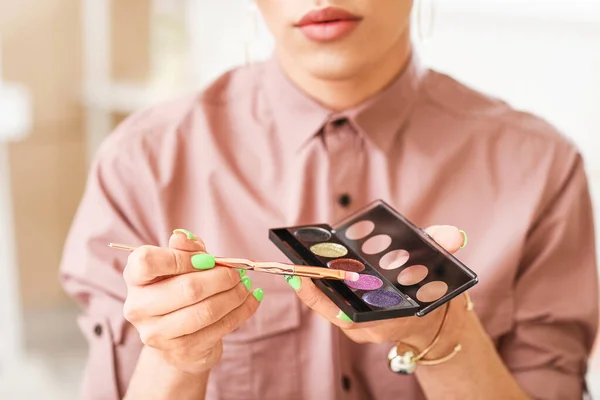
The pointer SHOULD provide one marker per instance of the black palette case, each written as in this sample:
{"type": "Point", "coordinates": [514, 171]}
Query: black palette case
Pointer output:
{"type": "Point", "coordinates": [404, 272]}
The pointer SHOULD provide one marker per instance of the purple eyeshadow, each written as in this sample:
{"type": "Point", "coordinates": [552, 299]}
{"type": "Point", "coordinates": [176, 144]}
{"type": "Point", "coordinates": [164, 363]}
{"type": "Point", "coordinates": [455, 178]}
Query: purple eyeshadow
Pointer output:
{"type": "Point", "coordinates": [366, 282]}
{"type": "Point", "coordinates": [382, 298]}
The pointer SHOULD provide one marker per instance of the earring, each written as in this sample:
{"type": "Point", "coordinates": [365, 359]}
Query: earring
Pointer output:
{"type": "Point", "coordinates": [425, 20]}
{"type": "Point", "coordinates": [251, 22]}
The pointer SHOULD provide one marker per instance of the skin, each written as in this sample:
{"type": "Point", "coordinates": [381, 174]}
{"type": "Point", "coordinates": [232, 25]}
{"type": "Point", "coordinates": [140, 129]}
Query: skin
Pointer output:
{"type": "Point", "coordinates": [476, 372]}
{"type": "Point", "coordinates": [182, 332]}
{"type": "Point", "coordinates": [343, 73]}
{"type": "Point", "coordinates": [178, 355]}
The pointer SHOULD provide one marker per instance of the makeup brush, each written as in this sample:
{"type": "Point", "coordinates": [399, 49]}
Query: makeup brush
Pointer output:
{"type": "Point", "coordinates": [271, 267]}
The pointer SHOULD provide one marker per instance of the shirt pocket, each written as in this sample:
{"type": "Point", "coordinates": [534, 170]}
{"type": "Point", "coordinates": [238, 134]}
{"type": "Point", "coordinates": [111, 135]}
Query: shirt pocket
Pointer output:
{"type": "Point", "coordinates": [261, 359]}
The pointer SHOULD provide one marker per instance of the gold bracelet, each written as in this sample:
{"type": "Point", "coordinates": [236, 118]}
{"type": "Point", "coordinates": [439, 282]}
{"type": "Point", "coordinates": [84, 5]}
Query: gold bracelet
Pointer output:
{"type": "Point", "coordinates": [407, 362]}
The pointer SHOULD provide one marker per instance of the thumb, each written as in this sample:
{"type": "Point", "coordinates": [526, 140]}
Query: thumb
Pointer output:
{"type": "Point", "coordinates": [184, 240]}
{"type": "Point", "coordinates": [449, 237]}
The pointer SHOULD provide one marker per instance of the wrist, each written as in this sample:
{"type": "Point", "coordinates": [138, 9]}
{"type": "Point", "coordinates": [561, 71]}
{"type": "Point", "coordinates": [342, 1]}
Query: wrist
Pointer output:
{"type": "Point", "coordinates": [178, 371]}
{"type": "Point", "coordinates": [429, 326]}
{"type": "Point", "coordinates": [167, 380]}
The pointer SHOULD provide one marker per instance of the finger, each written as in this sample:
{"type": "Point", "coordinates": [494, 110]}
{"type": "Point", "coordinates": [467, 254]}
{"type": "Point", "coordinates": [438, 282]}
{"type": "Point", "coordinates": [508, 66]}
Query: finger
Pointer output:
{"type": "Point", "coordinates": [205, 338]}
{"type": "Point", "coordinates": [200, 315]}
{"type": "Point", "coordinates": [177, 292]}
{"type": "Point", "coordinates": [449, 237]}
{"type": "Point", "coordinates": [184, 240]}
{"type": "Point", "coordinates": [147, 263]}
{"type": "Point", "coordinates": [316, 300]}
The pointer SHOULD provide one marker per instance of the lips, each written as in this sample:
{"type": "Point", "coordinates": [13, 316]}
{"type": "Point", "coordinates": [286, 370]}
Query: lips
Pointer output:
{"type": "Point", "coordinates": [328, 24]}
{"type": "Point", "coordinates": [327, 15]}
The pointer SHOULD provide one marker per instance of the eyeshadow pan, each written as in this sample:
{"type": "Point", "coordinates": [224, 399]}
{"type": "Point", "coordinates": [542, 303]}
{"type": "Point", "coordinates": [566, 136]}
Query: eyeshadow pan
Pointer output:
{"type": "Point", "coordinates": [376, 244]}
{"type": "Point", "coordinates": [347, 264]}
{"type": "Point", "coordinates": [360, 230]}
{"type": "Point", "coordinates": [394, 259]}
{"type": "Point", "coordinates": [366, 282]}
{"type": "Point", "coordinates": [329, 250]}
{"type": "Point", "coordinates": [432, 291]}
{"type": "Point", "coordinates": [313, 234]}
{"type": "Point", "coordinates": [382, 298]}
{"type": "Point", "coordinates": [412, 275]}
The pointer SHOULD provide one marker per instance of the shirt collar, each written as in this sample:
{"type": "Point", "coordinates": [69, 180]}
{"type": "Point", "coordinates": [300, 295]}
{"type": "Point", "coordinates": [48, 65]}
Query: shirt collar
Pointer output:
{"type": "Point", "coordinates": [379, 119]}
{"type": "Point", "coordinates": [295, 113]}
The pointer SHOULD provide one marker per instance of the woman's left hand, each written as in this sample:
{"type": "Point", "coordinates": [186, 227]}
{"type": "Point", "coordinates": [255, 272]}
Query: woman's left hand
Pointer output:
{"type": "Point", "coordinates": [413, 330]}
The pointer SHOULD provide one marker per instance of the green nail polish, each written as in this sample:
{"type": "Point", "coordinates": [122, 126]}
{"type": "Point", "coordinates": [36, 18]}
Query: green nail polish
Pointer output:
{"type": "Point", "coordinates": [294, 281]}
{"type": "Point", "coordinates": [203, 261]}
{"type": "Point", "coordinates": [247, 282]}
{"type": "Point", "coordinates": [187, 233]}
{"type": "Point", "coordinates": [342, 315]}
{"type": "Point", "coordinates": [242, 272]}
{"type": "Point", "coordinates": [258, 294]}
{"type": "Point", "coordinates": [465, 238]}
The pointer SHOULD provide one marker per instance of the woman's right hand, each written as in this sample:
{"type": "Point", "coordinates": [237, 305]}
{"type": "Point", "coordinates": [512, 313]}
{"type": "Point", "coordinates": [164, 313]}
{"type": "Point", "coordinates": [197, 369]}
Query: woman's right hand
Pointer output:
{"type": "Point", "coordinates": [182, 305]}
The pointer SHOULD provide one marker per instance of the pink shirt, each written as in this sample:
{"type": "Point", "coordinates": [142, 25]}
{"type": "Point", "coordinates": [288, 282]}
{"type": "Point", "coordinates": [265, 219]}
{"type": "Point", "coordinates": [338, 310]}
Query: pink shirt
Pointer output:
{"type": "Point", "coordinates": [253, 152]}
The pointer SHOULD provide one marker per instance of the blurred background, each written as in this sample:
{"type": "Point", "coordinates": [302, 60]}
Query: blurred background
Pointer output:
{"type": "Point", "coordinates": [70, 70]}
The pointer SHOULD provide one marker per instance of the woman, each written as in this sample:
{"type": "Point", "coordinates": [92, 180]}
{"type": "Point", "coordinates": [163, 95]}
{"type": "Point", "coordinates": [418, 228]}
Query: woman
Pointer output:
{"type": "Point", "coordinates": [342, 115]}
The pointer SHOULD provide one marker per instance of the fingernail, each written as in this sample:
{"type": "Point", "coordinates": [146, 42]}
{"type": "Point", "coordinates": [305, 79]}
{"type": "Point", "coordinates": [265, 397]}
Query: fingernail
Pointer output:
{"type": "Point", "coordinates": [187, 233]}
{"type": "Point", "coordinates": [258, 294]}
{"type": "Point", "coordinates": [465, 238]}
{"type": "Point", "coordinates": [247, 282]}
{"type": "Point", "coordinates": [342, 315]}
{"type": "Point", "coordinates": [203, 261]}
{"type": "Point", "coordinates": [294, 281]}
{"type": "Point", "coordinates": [242, 272]}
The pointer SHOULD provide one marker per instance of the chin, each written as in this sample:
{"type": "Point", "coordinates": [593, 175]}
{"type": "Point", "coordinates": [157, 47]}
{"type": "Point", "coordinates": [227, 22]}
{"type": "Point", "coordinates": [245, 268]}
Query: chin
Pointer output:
{"type": "Point", "coordinates": [334, 66]}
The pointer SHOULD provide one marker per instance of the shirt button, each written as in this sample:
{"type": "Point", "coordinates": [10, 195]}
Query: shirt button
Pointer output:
{"type": "Point", "coordinates": [98, 330]}
{"type": "Point", "coordinates": [346, 383]}
{"type": "Point", "coordinates": [344, 200]}
{"type": "Point", "coordinates": [339, 122]}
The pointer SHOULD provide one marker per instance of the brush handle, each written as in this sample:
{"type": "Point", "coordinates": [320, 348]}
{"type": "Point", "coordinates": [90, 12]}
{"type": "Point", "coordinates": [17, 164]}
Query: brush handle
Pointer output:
{"type": "Point", "coordinates": [277, 268]}
{"type": "Point", "coordinates": [266, 267]}
{"type": "Point", "coordinates": [299, 270]}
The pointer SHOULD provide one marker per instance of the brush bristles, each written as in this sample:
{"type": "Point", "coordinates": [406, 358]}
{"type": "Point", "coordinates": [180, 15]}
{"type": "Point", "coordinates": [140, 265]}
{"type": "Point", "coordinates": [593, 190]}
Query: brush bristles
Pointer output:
{"type": "Point", "coordinates": [352, 276]}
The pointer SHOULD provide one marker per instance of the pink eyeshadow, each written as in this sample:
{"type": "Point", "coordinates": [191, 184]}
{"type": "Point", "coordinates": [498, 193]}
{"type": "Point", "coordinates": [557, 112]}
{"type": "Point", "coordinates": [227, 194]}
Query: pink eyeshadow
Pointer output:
{"type": "Point", "coordinates": [366, 282]}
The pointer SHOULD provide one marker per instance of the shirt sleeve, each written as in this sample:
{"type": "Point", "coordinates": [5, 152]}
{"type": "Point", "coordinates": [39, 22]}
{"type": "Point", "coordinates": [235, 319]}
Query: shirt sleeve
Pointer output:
{"type": "Point", "coordinates": [117, 206]}
{"type": "Point", "coordinates": [556, 293]}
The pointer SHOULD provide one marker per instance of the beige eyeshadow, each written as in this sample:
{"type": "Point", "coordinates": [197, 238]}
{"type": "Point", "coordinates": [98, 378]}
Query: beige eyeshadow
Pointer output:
{"type": "Point", "coordinates": [394, 259]}
{"type": "Point", "coordinates": [376, 244]}
{"type": "Point", "coordinates": [360, 230]}
{"type": "Point", "coordinates": [412, 275]}
{"type": "Point", "coordinates": [329, 250]}
{"type": "Point", "coordinates": [432, 291]}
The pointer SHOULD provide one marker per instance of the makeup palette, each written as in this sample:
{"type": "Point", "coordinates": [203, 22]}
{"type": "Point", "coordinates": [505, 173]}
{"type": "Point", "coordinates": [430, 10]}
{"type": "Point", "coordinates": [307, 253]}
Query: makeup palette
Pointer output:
{"type": "Point", "coordinates": [403, 271]}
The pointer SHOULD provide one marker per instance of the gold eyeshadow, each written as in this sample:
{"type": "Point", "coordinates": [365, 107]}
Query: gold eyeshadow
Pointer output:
{"type": "Point", "coordinates": [403, 271]}
{"type": "Point", "coordinates": [329, 250]}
